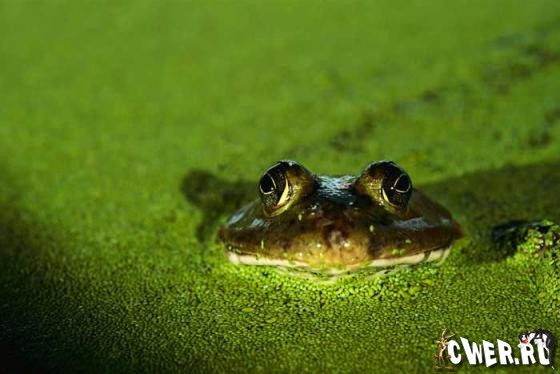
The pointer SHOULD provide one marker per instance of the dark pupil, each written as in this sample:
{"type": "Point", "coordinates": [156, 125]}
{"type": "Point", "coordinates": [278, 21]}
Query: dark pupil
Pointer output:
{"type": "Point", "coordinates": [267, 184]}
{"type": "Point", "coordinates": [403, 183]}
{"type": "Point", "coordinates": [397, 186]}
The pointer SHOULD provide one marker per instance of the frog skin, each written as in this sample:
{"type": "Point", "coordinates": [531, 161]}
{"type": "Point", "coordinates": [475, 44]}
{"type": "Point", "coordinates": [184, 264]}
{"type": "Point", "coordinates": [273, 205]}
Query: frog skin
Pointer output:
{"type": "Point", "coordinates": [338, 224]}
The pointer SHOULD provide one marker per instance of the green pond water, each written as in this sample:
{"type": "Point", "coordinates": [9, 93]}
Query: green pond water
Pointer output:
{"type": "Point", "coordinates": [130, 130]}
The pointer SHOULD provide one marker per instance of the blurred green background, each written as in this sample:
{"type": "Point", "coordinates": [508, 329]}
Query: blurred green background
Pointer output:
{"type": "Point", "coordinates": [121, 122]}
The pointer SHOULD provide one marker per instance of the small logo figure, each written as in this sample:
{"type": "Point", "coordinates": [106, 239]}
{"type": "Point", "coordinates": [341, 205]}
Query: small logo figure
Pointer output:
{"type": "Point", "coordinates": [441, 360]}
{"type": "Point", "coordinates": [542, 338]}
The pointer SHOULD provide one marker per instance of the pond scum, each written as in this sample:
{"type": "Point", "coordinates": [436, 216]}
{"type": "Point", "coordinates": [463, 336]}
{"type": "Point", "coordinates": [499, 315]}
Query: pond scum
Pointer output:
{"type": "Point", "coordinates": [130, 132]}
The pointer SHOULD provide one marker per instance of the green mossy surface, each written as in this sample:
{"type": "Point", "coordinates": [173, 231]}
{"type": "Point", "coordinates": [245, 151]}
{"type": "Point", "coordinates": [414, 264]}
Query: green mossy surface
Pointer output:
{"type": "Point", "coordinates": [128, 131]}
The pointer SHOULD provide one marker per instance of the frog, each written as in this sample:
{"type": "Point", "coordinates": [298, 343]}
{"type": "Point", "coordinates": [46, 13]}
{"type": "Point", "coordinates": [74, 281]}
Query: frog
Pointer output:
{"type": "Point", "coordinates": [338, 224]}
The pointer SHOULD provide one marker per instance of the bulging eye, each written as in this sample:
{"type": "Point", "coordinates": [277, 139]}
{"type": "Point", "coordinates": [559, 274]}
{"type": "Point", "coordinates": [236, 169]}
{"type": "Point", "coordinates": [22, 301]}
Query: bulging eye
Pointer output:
{"type": "Point", "coordinates": [386, 183]}
{"type": "Point", "coordinates": [283, 184]}
{"type": "Point", "coordinates": [274, 188]}
{"type": "Point", "coordinates": [396, 191]}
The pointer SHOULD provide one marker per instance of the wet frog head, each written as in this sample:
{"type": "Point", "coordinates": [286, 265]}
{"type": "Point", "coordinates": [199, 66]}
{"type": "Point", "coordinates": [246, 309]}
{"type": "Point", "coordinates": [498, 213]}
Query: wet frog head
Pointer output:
{"type": "Point", "coordinates": [337, 224]}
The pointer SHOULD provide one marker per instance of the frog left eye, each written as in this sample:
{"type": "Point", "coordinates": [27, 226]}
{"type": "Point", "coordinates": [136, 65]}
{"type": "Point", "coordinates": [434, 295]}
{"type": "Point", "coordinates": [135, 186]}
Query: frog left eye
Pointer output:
{"type": "Point", "coordinates": [385, 183]}
{"type": "Point", "coordinates": [274, 188]}
{"type": "Point", "coordinates": [283, 184]}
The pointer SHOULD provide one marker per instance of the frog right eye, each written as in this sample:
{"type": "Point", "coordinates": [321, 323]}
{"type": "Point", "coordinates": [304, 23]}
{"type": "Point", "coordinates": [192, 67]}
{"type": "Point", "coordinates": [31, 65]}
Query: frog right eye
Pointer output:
{"type": "Point", "coordinates": [385, 183]}
{"type": "Point", "coordinates": [282, 185]}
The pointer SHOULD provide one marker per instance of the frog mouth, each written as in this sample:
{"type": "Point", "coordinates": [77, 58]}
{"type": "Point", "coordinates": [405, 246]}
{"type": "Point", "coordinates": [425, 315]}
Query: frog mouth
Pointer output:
{"type": "Point", "coordinates": [381, 264]}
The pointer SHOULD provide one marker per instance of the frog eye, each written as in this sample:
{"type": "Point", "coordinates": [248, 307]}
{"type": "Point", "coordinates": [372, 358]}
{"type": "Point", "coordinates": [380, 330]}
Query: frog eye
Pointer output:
{"type": "Point", "coordinates": [274, 188]}
{"type": "Point", "coordinates": [396, 191]}
{"type": "Point", "coordinates": [386, 183]}
{"type": "Point", "coordinates": [283, 184]}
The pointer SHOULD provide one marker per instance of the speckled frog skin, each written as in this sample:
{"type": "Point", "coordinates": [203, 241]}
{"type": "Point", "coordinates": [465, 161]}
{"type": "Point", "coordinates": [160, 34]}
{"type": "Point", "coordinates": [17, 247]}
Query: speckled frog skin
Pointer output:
{"type": "Point", "coordinates": [338, 224]}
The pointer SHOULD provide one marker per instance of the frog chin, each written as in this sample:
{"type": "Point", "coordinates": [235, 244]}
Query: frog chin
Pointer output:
{"type": "Point", "coordinates": [438, 255]}
{"type": "Point", "coordinates": [247, 259]}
